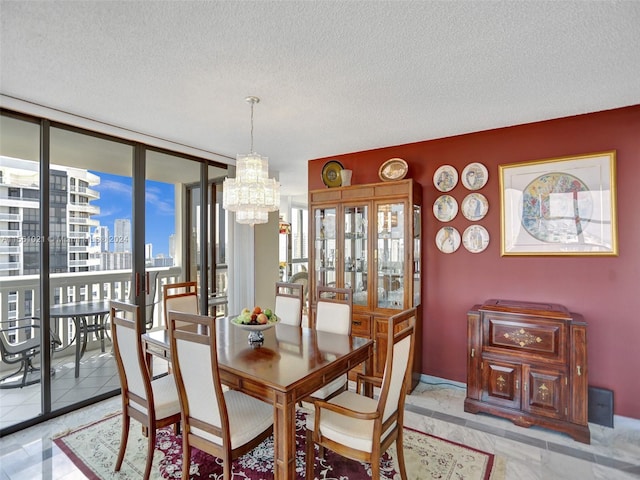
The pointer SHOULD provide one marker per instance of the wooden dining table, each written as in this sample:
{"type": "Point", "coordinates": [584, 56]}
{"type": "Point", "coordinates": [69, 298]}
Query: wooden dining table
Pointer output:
{"type": "Point", "coordinates": [292, 363]}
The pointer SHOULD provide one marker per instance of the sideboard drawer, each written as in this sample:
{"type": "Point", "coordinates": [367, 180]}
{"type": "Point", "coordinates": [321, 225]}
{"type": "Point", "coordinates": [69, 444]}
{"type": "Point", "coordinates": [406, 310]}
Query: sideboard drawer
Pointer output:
{"type": "Point", "coordinates": [361, 325]}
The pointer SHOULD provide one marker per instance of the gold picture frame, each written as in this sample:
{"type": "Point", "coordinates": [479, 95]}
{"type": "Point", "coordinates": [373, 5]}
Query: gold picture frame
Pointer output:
{"type": "Point", "coordinates": [559, 206]}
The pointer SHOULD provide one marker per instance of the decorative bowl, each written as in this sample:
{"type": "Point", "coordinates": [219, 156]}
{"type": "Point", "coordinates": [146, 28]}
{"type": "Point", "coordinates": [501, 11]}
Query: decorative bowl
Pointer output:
{"type": "Point", "coordinates": [255, 331]}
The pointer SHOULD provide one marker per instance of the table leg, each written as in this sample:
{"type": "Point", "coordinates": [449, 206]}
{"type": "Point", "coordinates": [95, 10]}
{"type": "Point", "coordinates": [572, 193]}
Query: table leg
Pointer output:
{"type": "Point", "coordinates": [78, 322]}
{"type": "Point", "coordinates": [284, 436]}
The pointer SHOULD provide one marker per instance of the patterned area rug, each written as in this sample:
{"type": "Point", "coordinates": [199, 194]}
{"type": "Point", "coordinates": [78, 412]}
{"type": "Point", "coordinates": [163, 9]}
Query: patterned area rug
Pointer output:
{"type": "Point", "coordinates": [94, 449]}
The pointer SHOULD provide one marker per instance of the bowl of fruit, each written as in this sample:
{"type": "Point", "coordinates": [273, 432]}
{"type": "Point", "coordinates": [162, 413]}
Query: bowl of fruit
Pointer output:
{"type": "Point", "coordinates": [255, 320]}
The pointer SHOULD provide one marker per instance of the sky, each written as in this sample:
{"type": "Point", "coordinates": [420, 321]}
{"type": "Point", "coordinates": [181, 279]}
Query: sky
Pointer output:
{"type": "Point", "coordinates": [116, 202]}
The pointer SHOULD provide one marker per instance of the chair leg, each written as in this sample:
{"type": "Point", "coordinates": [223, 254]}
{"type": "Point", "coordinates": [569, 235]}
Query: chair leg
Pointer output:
{"type": "Point", "coordinates": [124, 437]}
{"type": "Point", "coordinates": [375, 467]}
{"type": "Point", "coordinates": [151, 447]}
{"type": "Point", "coordinates": [186, 456]}
{"type": "Point", "coordinates": [310, 456]}
{"type": "Point", "coordinates": [400, 455]}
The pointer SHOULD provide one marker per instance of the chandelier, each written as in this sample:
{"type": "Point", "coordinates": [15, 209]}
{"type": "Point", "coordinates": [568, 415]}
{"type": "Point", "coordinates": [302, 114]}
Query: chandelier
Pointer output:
{"type": "Point", "coordinates": [252, 194]}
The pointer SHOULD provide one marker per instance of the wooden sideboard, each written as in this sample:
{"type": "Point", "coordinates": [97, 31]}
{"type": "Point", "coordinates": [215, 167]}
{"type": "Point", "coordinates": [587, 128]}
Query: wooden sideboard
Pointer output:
{"type": "Point", "coordinates": [528, 362]}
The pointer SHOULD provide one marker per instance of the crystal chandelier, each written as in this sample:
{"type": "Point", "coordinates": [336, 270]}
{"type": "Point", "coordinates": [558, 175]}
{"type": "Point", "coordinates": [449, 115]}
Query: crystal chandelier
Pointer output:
{"type": "Point", "coordinates": [252, 194]}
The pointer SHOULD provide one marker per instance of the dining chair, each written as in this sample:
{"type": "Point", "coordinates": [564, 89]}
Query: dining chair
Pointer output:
{"type": "Point", "coordinates": [226, 424]}
{"type": "Point", "coordinates": [180, 297]}
{"type": "Point", "coordinates": [20, 343]}
{"type": "Point", "coordinates": [153, 403]}
{"type": "Point", "coordinates": [333, 315]}
{"type": "Point", "coordinates": [288, 305]}
{"type": "Point", "coordinates": [362, 428]}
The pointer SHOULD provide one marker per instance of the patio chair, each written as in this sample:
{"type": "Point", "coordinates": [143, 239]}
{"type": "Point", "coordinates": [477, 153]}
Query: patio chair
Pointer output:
{"type": "Point", "coordinates": [362, 428]}
{"type": "Point", "coordinates": [154, 403]}
{"type": "Point", "coordinates": [288, 306]}
{"type": "Point", "coordinates": [226, 424]}
{"type": "Point", "coordinates": [20, 343]}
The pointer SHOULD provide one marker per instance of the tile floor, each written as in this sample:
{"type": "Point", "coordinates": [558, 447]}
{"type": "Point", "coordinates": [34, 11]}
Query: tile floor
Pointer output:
{"type": "Point", "coordinates": [435, 406]}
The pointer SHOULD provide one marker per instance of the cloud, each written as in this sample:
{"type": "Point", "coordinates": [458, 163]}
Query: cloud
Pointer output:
{"type": "Point", "coordinates": [109, 186]}
{"type": "Point", "coordinates": [157, 198]}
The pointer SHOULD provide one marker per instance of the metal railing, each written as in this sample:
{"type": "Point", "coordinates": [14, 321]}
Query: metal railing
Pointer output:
{"type": "Point", "coordinates": [16, 291]}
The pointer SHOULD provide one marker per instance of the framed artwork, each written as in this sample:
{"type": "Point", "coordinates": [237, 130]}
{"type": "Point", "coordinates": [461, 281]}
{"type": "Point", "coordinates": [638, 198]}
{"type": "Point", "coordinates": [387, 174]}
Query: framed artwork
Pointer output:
{"type": "Point", "coordinates": [559, 206]}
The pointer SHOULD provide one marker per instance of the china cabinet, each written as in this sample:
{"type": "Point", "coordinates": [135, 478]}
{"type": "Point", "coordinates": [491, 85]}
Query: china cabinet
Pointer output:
{"type": "Point", "coordinates": [528, 362]}
{"type": "Point", "coordinates": [368, 238]}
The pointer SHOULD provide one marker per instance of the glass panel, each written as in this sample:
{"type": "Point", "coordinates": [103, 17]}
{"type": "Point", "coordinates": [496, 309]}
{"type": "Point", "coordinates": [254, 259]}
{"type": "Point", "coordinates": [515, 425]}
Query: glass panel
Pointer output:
{"type": "Point", "coordinates": [91, 258]}
{"type": "Point", "coordinates": [219, 275]}
{"type": "Point", "coordinates": [325, 246]}
{"type": "Point", "coordinates": [390, 245]}
{"type": "Point", "coordinates": [355, 252]}
{"type": "Point", "coordinates": [20, 243]}
{"type": "Point", "coordinates": [417, 247]}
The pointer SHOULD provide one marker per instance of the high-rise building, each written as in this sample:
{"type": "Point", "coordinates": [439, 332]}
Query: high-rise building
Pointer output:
{"type": "Point", "coordinates": [101, 238]}
{"type": "Point", "coordinates": [122, 235]}
{"type": "Point", "coordinates": [70, 218]}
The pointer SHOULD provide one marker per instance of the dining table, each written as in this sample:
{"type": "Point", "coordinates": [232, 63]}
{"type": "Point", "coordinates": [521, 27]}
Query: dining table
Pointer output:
{"type": "Point", "coordinates": [88, 317]}
{"type": "Point", "coordinates": [291, 363]}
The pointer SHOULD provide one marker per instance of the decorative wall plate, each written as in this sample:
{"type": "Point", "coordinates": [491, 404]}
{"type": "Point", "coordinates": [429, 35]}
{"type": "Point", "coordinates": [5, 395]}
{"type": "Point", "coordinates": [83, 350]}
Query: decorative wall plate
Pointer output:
{"type": "Point", "coordinates": [448, 239]}
{"type": "Point", "coordinates": [393, 169]}
{"type": "Point", "coordinates": [445, 208]}
{"type": "Point", "coordinates": [474, 176]}
{"type": "Point", "coordinates": [445, 178]}
{"type": "Point", "coordinates": [475, 238]}
{"type": "Point", "coordinates": [474, 206]}
{"type": "Point", "coordinates": [331, 174]}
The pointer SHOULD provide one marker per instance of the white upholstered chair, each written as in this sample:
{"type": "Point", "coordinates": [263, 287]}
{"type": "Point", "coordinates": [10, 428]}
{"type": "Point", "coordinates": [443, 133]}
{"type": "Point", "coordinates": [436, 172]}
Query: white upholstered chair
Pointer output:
{"type": "Point", "coordinates": [154, 403]}
{"type": "Point", "coordinates": [288, 306]}
{"type": "Point", "coordinates": [180, 297]}
{"type": "Point", "coordinates": [362, 428]}
{"type": "Point", "coordinates": [333, 315]}
{"type": "Point", "coordinates": [226, 424]}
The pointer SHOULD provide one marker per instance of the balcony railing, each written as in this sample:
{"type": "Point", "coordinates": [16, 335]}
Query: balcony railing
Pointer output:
{"type": "Point", "coordinates": [75, 287]}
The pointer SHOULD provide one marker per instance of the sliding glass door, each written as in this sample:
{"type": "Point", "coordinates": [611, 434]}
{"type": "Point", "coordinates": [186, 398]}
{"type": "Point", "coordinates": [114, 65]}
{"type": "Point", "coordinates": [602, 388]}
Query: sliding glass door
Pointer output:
{"type": "Point", "coordinates": [86, 218]}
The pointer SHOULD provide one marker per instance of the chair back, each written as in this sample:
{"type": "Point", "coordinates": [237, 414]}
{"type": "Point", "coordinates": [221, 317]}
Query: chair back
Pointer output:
{"type": "Point", "coordinates": [19, 337]}
{"type": "Point", "coordinates": [398, 364]}
{"type": "Point", "coordinates": [135, 380]}
{"type": "Point", "coordinates": [333, 310]}
{"type": "Point", "coordinates": [195, 367]}
{"type": "Point", "coordinates": [288, 306]}
{"type": "Point", "coordinates": [180, 297]}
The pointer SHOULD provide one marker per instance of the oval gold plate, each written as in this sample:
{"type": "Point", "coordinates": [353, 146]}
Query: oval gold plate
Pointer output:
{"type": "Point", "coordinates": [393, 169]}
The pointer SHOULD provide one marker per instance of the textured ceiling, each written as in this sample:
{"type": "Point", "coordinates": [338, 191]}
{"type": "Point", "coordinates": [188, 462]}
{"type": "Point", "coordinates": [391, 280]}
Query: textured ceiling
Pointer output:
{"type": "Point", "coordinates": [333, 76]}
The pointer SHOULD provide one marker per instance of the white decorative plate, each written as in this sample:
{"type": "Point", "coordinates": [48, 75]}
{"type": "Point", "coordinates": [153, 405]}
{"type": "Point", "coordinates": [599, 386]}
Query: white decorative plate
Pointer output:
{"type": "Point", "coordinates": [474, 176]}
{"type": "Point", "coordinates": [474, 206]}
{"type": "Point", "coordinates": [448, 239]}
{"type": "Point", "coordinates": [445, 178]}
{"type": "Point", "coordinates": [475, 238]}
{"type": "Point", "coordinates": [445, 208]}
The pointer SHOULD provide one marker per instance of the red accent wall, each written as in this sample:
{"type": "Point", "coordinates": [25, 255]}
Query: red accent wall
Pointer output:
{"type": "Point", "coordinates": [603, 289]}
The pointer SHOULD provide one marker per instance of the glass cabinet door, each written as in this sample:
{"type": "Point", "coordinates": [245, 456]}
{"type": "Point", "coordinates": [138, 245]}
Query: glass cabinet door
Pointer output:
{"type": "Point", "coordinates": [390, 246]}
{"type": "Point", "coordinates": [417, 244]}
{"type": "Point", "coordinates": [355, 252]}
{"type": "Point", "coordinates": [325, 246]}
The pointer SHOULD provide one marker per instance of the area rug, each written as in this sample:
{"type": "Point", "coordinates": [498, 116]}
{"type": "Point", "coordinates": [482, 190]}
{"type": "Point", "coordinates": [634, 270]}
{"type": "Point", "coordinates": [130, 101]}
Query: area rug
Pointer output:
{"type": "Point", "coordinates": [94, 449]}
